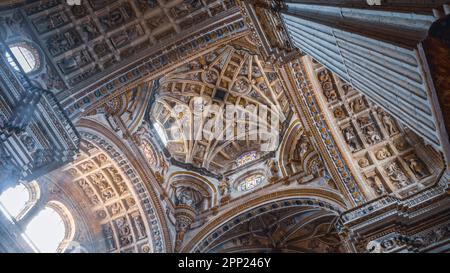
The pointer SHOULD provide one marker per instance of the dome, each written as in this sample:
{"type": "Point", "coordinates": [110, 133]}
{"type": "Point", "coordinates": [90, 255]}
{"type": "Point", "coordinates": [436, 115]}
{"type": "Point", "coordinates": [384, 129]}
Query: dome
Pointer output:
{"type": "Point", "coordinates": [211, 111]}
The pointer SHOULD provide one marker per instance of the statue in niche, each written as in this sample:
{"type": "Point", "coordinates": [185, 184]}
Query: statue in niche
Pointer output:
{"type": "Point", "coordinates": [188, 196]}
{"type": "Point", "coordinates": [347, 88]}
{"type": "Point", "coordinates": [357, 105]}
{"type": "Point", "coordinates": [383, 154]}
{"type": "Point", "coordinates": [139, 226]}
{"type": "Point", "coordinates": [108, 234]}
{"type": "Point", "coordinates": [303, 149]}
{"type": "Point", "coordinates": [273, 167]}
{"type": "Point", "coordinates": [417, 167]}
{"type": "Point", "coordinates": [389, 124]}
{"type": "Point", "coordinates": [350, 138]}
{"type": "Point", "coordinates": [371, 135]}
{"type": "Point", "coordinates": [377, 185]}
{"type": "Point", "coordinates": [396, 175]}
{"type": "Point", "coordinates": [316, 167]}
{"type": "Point", "coordinates": [224, 190]}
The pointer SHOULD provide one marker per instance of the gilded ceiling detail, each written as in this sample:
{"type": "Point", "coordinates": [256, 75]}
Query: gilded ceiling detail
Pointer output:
{"type": "Point", "coordinates": [232, 76]}
{"type": "Point", "coordinates": [111, 202]}
{"type": "Point", "coordinates": [389, 157]}
{"type": "Point", "coordinates": [219, 126]}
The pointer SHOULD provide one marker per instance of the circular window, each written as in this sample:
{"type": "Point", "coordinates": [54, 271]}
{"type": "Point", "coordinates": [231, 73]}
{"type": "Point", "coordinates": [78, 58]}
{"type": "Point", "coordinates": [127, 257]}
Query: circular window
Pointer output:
{"type": "Point", "coordinates": [251, 182]}
{"type": "Point", "coordinates": [25, 56]}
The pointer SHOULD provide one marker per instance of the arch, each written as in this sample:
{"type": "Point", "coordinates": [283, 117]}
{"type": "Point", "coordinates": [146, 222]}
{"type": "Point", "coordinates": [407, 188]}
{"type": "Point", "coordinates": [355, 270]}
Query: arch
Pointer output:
{"type": "Point", "coordinates": [51, 229]}
{"type": "Point", "coordinates": [275, 226]}
{"type": "Point", "coordinates": [328, 199]}
{"type": "Point", "coordinates": [18, 200]}
{"type": "Point", "coordinates": [198, 182]}
{"type": "Point", "coordinates": [293, 133]}
{"type": "Point", "coordinates": [137, 173]}
{"type": "Point", "coordinates": [69, 223]}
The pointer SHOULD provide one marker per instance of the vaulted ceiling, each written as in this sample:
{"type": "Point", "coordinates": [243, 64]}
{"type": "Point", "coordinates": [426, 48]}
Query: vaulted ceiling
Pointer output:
{"type": "Point", "coordinates": [233, 75]}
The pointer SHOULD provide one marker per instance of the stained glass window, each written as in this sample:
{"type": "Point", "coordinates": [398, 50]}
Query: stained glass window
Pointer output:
{"type": "Point", "coordinates": [251, 182]}
{"type": "Point", "coordinates": [246, 158]}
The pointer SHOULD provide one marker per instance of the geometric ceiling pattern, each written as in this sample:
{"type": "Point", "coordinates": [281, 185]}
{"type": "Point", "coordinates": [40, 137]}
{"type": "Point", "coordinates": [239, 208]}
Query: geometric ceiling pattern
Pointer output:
{"type": "Point", "coordinates": [230, 82]}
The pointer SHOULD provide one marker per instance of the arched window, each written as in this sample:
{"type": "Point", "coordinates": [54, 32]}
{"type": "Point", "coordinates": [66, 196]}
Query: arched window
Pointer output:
{"type": "Point", "coordinates": [246, 158]}
{"type": "Point", "coordinates": [160, 131]}
{"type": "Point", "coordinates": [14, 200]}
{"type": "Point", "coordinates": [251, 182]}
{"type": "Point", "coordinates": [47, 230]}
{"type": "Point", "coordinates": [25, 55]}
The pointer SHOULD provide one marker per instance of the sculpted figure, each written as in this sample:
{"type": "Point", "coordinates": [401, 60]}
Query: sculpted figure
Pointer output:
{"type": "Point", "coordinates": [376, 184]}
{"type": "Point", "coordinates": [396, 175]}
{"type": "Point", "coordinates": [417, 167]}
{"type": "Point", "coordinates": [224, 187]}
{"type": "Point", "coordinates": [389, 124]}
{"type": "Point", "coordinates": [272, 165]}
{"type": "Point", "coordinates": [188, 196]}
{"type": "Point", "coordinates": [383, 153]}
{"type": "Point", "coordinates": [371, 135]}
{"type": "Point", "coordinates": [349, 136]}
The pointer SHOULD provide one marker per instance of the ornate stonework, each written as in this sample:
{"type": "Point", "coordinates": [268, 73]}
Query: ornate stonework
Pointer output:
{"type": "Point", "coordinates": [110, 118]}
